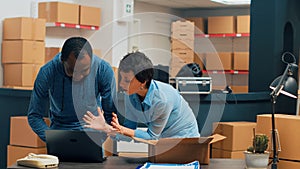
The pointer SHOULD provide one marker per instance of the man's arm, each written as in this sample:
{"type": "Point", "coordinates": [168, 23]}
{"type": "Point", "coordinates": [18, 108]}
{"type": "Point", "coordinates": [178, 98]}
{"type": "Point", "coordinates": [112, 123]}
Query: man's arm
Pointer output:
{"type": "Point", "coordinates": [37, 106]}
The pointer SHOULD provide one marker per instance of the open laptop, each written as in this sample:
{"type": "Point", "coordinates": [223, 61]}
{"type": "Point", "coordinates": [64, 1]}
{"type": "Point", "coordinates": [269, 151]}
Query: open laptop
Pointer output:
{"type": "Point", "coordinates": [75, 145]}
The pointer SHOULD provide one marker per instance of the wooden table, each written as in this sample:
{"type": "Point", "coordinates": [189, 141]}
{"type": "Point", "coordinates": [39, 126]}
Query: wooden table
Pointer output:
{"type": "Point", "coordinates": [115, 162]}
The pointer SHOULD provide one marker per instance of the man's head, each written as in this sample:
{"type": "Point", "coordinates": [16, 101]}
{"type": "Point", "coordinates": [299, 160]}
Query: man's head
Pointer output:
{"type": "Point", "coordinates": [135, 66]}
{"type": "Point", "coordinates": [76, 56]}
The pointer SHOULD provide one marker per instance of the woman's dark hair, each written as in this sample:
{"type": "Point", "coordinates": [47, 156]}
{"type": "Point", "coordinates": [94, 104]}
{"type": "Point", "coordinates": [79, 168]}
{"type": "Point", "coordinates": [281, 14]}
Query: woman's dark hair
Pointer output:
{"type": "Point", "coordinates": [78, 45]}
{"type": "Point", "coordinates": [141, 66]}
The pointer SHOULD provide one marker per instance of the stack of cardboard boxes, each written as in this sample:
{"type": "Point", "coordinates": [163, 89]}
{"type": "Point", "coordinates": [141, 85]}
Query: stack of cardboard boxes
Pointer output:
{"type": "Point", "coordinates": [238, 135]}
{"type": "Point", "coordinates": [182, 45]}
{"type": "Point", "coordinates": [289, 137]}
{"type": "Point", "coordinates": [69, 13]}
{"type": "Point", "coordinates": [23, 140]}
{"type": "Point", "coordinates": [23, 50]}
{"type": "Point", "coordinates": [227, 53]}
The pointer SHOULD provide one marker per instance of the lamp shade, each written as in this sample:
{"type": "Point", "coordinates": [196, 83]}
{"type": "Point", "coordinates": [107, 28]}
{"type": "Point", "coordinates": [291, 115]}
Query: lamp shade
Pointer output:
{"type": "Point", "coordinates": [289, 87]}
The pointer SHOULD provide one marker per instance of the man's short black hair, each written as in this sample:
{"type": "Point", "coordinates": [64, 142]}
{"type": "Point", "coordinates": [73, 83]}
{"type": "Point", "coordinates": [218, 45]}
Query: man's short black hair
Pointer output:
{"type": "Point", "coordinates": [78, 45]}
{"type": "Point", "coordinates": [141, 66]}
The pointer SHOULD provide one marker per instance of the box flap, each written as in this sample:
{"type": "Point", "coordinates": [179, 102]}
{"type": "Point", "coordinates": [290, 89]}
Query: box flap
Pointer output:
{"type": "Point", "coordinates": [216, 138]}
{"type": "Point", "coordinates": [151, 142]}
{"type": "Point", "coordinates": [202, 140]}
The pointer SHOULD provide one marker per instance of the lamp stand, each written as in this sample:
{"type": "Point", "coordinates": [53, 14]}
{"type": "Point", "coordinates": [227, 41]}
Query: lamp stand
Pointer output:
{"type": "Point", "coordinates": [275, 156]}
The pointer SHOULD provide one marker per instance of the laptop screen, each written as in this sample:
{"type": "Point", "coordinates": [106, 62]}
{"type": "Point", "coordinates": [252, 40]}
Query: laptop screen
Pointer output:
{"type": "Point", "coordinates": [75, 145]}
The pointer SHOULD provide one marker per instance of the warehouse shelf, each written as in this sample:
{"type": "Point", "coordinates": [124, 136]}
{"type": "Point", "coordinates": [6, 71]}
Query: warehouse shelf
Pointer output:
{"type": "Point", "coordinates": [226, 71]}
{"type": "Point", "coordinates": [222, 35]}
{"type": "Point", "coordinates": [68, 25]}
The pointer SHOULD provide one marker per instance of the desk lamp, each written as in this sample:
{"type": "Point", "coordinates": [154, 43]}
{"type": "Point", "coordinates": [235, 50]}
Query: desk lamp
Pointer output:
{"type": "Point", "coordinates": [286, 85]}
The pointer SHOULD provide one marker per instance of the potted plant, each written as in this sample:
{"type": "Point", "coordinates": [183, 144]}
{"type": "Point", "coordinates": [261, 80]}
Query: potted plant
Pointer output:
{"type": "Point", "coordinates": [257, 155]}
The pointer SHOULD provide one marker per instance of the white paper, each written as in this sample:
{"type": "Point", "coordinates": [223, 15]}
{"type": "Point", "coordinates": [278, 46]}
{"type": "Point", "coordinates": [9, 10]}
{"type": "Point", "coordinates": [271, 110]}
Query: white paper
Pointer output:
{"type": "Point", "coordinates": [192, 165]}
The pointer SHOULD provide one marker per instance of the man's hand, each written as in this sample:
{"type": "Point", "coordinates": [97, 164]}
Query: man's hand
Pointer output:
{"type": "Point", "coordinates": [98, 122]}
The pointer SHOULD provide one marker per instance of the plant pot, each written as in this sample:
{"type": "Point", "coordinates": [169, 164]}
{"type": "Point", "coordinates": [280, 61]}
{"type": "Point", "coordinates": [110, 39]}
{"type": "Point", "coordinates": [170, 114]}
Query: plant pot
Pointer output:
{"type": "Point", "coordinates": [256, 160]}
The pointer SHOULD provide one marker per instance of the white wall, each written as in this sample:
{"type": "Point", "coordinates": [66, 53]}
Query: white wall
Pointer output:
{"type": "Point", "coordinates": [10, 9]}
{"type": "Point", "coordinates": [155, 30]}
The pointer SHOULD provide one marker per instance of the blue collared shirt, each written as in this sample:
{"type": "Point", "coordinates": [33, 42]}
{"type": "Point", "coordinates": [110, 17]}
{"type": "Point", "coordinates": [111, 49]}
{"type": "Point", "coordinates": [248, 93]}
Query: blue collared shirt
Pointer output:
{"type": "Point", "coordinates": [69, 100]}
{"type": "Point", "coordinates": [164, 111]}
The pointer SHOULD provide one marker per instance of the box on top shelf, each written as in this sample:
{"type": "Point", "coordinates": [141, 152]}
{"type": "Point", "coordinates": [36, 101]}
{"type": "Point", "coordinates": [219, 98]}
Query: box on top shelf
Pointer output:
{"type": "Point", "coordinates": [199, 24]}
{"type": "Point", "coordinates": [221, 24]}
{"type": "Point", "coordinates": [243, 23]}
{"type": "Point", "coordinates": [238, 135]}
{"type": "Point", "coordinates": [23, 51]}
{"type": "Point", "coordinates": [218, 61]}
{"type": "Point", "coordinates": [89, 16]}
{"type": "Point", "coordinates": [24, 28]}
{"type": "Point", "coordinates": [183, 26]}
{"type": "Point", "coordinates": [59, 12]}
{"type": "Point", "coordinates": [18, 74]}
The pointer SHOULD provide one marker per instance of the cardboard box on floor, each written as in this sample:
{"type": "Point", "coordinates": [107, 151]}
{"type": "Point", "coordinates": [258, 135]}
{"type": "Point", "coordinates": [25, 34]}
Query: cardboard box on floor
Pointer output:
{"type": "Point", "coordinates": [181, 150]}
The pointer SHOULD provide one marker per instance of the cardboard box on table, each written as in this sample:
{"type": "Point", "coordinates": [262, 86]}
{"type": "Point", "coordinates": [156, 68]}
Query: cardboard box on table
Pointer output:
{"type": "Point", "coordinates": [16, 152]}
{"type": "Point", "coordinates": [181, 150]}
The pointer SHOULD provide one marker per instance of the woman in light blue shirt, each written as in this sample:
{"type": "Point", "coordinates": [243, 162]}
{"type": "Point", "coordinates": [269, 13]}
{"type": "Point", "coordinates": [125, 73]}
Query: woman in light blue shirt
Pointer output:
{"type": "Point", "coordinates": [157, 105]}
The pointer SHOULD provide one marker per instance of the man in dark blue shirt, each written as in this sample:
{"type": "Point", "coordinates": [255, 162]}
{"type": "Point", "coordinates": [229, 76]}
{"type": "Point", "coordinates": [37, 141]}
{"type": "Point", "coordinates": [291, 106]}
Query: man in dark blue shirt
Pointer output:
{"type": "Point", "coordinates": [74, 81]}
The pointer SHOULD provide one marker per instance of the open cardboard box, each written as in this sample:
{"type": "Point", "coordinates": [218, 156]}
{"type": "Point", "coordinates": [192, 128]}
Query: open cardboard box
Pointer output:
{"type": "Point", "coordinates": [181, 150]}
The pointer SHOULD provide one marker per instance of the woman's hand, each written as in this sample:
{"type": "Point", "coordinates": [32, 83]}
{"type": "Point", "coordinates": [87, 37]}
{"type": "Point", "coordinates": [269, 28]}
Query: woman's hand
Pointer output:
{"type": "Point", "coordinates": [116, 125]}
